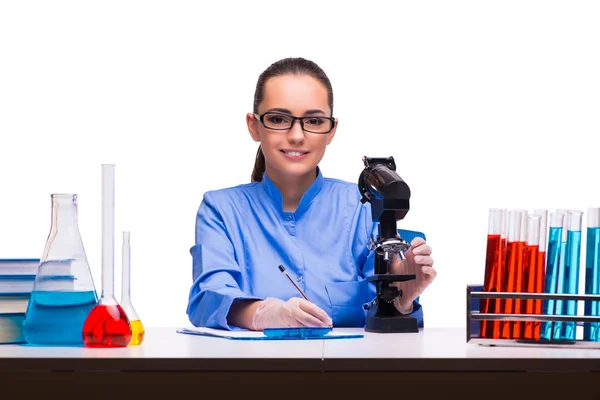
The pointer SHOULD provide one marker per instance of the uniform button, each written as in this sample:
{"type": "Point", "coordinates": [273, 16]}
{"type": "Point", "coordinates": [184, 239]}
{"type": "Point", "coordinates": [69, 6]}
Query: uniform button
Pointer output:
{"type": "Point", "coordinates": [299, 279]}
{"type": "Point", "coordinates": [289, 217]}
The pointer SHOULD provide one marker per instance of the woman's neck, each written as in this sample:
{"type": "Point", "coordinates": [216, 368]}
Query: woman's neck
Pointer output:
{"type": "Point", "coordinates": [292, 188]}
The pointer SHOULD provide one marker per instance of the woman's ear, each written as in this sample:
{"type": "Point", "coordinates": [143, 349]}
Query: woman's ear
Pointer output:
{"type": "Point", "coordinates": [331, 134]}
{"type": "Point", "coordinates": [252, 123]}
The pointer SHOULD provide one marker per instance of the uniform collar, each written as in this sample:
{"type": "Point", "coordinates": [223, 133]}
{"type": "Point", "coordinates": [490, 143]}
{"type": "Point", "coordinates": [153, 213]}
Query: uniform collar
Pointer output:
{"type": "Point", "coordinates": [307, 198]}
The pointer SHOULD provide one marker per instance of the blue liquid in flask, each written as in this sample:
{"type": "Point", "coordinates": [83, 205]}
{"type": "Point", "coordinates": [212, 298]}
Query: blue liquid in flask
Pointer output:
{"type": "Point", "coordinates": [57, 318]}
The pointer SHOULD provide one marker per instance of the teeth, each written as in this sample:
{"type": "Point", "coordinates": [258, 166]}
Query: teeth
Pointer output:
{"type": "Point", "coordinates": [294, 153]}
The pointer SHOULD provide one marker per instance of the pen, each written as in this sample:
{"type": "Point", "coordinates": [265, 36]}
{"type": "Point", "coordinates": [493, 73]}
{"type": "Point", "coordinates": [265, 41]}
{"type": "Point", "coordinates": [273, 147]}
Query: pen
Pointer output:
{"type": "Point", "coordinates": [293, 283]}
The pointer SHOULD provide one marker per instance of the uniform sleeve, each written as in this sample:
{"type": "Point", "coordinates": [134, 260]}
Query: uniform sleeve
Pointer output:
{"type": "Point", "coordinates": [217, 277]}
{"type": "Point", "coordinates": [366, 258]}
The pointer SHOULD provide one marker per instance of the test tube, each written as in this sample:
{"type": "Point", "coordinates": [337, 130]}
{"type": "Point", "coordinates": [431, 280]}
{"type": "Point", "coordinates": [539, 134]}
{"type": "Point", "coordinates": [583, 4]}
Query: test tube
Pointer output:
{"type": "Point", "coordinates": [559, 305]}
{"type": "Point", "coordinates": [591, 330]}
{"type": "Point", "coordinates": [517, 326]}
{"type": "Point", "coordinates": [492, 259]}
{"type": "Point", "coordinates": [514, 259]}
{"type": "Point", "coordinates": [552, 265]}
{"type": "Point", "coordinates": [530, 269]}
{"type": "Point", "coordinates": [572, 264]}
{"type": "Point", "coordinates": [541, 267]}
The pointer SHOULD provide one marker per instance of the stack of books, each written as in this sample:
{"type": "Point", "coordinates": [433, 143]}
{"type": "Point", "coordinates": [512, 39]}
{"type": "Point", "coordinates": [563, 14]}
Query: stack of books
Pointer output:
{"type": "Point", "coordinates": [16, 283]}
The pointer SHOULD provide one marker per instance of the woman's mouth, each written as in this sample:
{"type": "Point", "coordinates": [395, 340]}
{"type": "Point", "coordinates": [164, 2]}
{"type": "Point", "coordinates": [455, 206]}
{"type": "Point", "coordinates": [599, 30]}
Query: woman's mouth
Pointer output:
{"type": "Point", "coordinates": [294, 154]}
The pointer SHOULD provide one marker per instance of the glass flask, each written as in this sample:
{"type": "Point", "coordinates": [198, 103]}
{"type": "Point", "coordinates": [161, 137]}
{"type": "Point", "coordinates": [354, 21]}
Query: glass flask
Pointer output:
{"type": "Point", "coordinates": [107, 324]}
{"type": "Point", "coordinates": [63, 292]}
{"type": "Point", "coordinates": [137, 328]}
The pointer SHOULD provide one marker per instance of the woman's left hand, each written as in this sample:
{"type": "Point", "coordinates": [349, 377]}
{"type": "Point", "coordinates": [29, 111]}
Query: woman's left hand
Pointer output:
{"type": "Point", "coordinates": [418, 262]}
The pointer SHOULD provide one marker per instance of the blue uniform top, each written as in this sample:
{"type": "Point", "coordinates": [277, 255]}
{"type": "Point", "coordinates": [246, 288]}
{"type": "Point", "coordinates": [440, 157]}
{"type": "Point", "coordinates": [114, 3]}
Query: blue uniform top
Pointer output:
{"type": "Point", "coordinates": [243, 235]}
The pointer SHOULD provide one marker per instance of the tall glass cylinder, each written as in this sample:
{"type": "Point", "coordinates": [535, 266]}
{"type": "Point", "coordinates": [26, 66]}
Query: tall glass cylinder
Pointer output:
{"type": "Point", "coordinates": [514, 260]}
{"type": "Point", "coordinates": [572, 264]}
{"type": "Point", "coordinates": [552, 265]}
{"type": "Point", "coordinates": [530, 269]}
{"type": "Point", "coordinates": [491, 267]}
{"type": "Point", "coordinates": [559, 305]}
{"type": "Point", "coordinates": [107, 324]}
{"type": "Point", "coordinates": [519, 305]}
{"type": "Point", "coordinates": [541, 268]}
{"type": "Point", "coordinates": [501, 277]}
{"type": "Point", "coordinates": [591, 330]}
{"type": "Point", "coordinates": [137, 328]}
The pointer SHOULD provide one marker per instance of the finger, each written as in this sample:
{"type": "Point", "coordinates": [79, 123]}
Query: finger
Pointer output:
{"type": "Point", "coordinates": [417, 242]}
{"type": "Point", "coordinates": [424, 260]}
{"type": "Point", "coordinates": [429, 273]}
{"type": "Point", "coordinates": [422, 250]}
{"type": "Point", "coordinates": [307, 319]}
{"type": "Point", "coordinates": [314, 311]}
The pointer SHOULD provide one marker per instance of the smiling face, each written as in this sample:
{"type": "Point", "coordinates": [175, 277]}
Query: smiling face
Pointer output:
{"type": "Point", "coordinates": [292, 154]}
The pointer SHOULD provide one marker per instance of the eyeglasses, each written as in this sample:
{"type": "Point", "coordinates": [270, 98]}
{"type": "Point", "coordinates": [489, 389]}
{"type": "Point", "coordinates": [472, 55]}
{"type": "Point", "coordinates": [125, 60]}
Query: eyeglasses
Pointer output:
{"type": "Point", "coordinates": [282, 122]}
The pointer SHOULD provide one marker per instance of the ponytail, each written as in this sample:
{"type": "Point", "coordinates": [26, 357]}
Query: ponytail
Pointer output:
{"type": "Point", "coordinates": [259, 166]}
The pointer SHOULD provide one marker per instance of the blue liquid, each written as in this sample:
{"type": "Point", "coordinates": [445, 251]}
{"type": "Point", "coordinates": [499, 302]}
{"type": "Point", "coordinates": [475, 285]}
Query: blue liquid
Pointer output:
{"type": "Point", "coordinates": [551, 281]}
{"type": "Point", "coordinates": [559, 307]}
{"type": "Point", "coordinates": [571, 281]}
{"type": "Point", "coordinates": [57, 318]}
{"type": "Point", "coordinates": [591, 330]}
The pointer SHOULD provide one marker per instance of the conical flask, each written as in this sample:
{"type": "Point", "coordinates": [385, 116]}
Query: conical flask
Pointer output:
{"type": "Point", "coordinates": [63, 292]}
{"type": "Point", "coordinates": [107, 324]}
{"type": "Point", "coordinates": [137, 328]}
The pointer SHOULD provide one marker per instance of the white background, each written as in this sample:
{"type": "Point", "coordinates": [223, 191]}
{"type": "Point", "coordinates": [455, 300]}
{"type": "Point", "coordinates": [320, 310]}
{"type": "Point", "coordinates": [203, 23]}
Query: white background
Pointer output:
{"type": "Point", "coordinates": [482, 103]}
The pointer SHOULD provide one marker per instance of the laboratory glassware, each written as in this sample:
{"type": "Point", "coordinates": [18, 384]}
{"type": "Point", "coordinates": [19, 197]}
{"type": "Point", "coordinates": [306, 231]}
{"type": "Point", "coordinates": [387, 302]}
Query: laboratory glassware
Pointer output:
{"type": "Point", "coordinates": [514, 263]}
{"type": "Point", "coordinates": [492, 267]}
{"type": "Point", "coordinates": [541, 267]}
{"type": "Point", "coordinates": [552, 268]}
{"type": "Point", "coordinates": [63, 292]}
{"type": "Point", "coordinates": [107, 325]}
{"type": "Point", "coordinates": [591, 330]}
{"type": "Point", "coordinates": [530, 271]}
{"type": "Point", "coordinates": [559, 306]}
{"type": "Point", "coordinates": [572, 264]}
{"type": "Point", "coordinates": [137, 328]}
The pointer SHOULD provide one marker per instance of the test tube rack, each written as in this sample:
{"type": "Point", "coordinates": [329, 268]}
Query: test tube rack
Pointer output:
{"type": "Point", "coordinates": [474, 318]}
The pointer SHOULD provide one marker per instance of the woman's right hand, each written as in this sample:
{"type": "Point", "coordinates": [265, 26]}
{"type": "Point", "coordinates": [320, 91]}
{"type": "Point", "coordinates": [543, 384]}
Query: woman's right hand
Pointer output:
{"type": "Point", "coordinates": [296, 312]}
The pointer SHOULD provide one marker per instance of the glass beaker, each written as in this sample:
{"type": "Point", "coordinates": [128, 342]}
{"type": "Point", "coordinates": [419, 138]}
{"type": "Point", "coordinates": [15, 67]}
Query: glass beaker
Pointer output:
{"type": "Point", "coordinates": [107, 324]}
{"type": "Point", "coordinates": [63, 292]}
{"type": "Point", "coordinates": [137, 328]}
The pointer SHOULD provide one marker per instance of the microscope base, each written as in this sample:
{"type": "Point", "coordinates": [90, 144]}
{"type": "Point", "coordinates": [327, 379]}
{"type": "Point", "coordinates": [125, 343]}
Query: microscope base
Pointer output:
{"type": "Point", "coordinates": [392, 324]}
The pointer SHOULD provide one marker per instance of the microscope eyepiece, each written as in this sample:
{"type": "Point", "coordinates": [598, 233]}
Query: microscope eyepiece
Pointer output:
{"type": "Point", "coordinates": [380, 185]}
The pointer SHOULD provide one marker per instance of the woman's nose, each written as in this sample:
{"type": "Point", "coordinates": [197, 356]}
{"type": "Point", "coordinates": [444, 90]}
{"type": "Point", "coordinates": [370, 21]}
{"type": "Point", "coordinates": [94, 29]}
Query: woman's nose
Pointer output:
{"type": "Point", "coordinates": [296, 134]}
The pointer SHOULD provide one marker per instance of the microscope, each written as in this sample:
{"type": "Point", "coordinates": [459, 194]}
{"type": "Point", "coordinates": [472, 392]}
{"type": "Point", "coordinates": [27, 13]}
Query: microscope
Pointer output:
{"type": "Point", "coordinates": [389, 195]}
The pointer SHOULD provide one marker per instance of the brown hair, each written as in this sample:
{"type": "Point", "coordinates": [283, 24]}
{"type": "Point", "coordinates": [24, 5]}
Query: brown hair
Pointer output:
{"type": "Point", "coordinates": [295, 66]}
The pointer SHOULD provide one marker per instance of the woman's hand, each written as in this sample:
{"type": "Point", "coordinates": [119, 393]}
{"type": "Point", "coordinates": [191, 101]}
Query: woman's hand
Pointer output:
{"type": "Point", "coordinates": [296, 312]}
{"type": "Point", "coordinates": [418, 262]}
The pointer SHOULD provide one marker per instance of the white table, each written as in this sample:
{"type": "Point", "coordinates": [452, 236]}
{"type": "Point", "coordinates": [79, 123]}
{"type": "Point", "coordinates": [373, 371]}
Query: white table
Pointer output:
{"type": "Point", "coordinates": [433, 360]}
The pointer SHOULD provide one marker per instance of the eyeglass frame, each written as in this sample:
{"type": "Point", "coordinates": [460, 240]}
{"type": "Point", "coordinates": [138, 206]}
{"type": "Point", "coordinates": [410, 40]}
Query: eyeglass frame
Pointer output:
{"type": "Point", "coordinates": [261, 118]}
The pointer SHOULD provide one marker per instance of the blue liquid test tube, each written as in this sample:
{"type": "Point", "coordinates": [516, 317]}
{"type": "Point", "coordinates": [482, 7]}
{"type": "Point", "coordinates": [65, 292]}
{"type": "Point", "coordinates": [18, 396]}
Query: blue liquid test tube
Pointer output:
{"type": "Point", "coordinates": [559, 306]}
{"type": "Point", "coordinates": [572, 265]}
{"type": "Point", "coordinates": [591, 331]}
{"type": "Point", "coordinates": [551, 278]}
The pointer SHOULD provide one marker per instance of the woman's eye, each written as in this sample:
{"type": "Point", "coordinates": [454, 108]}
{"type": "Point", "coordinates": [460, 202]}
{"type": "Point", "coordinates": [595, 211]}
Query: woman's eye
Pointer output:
{"type": "Point", "coordinates": [276, 119]}
{"type": "Point", "coordinates": [314, 121]}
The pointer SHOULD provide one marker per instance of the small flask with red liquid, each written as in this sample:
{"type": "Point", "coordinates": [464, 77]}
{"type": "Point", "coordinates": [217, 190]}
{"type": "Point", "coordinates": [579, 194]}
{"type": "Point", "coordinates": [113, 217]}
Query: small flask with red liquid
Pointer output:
{"type": "Point", "coordinates": [107, 324]}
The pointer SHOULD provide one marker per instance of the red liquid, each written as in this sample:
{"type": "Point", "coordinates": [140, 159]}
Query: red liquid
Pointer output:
{"type": "Point", "coordinates": [530, 276]}
{"type": "Point", "coordinates": [539, 288]}
{"type": "Point", "coordinates": [500, 287]}
{"type": "Point", "coordinates": [489, 283]}
{"type": "Point", "coordinates": [107, 326]}
{"type": "Point", "coordinates": [514, 283]}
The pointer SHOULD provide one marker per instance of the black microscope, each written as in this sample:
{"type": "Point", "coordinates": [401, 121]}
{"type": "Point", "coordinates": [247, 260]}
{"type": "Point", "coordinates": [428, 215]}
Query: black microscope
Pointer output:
{"type": "Point", "coordinates": [389, 195]}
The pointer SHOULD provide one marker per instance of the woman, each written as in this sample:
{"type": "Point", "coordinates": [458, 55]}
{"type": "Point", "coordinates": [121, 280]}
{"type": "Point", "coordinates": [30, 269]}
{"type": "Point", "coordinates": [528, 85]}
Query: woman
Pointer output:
{"type": "Point", "coordinates": [292, 215]}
